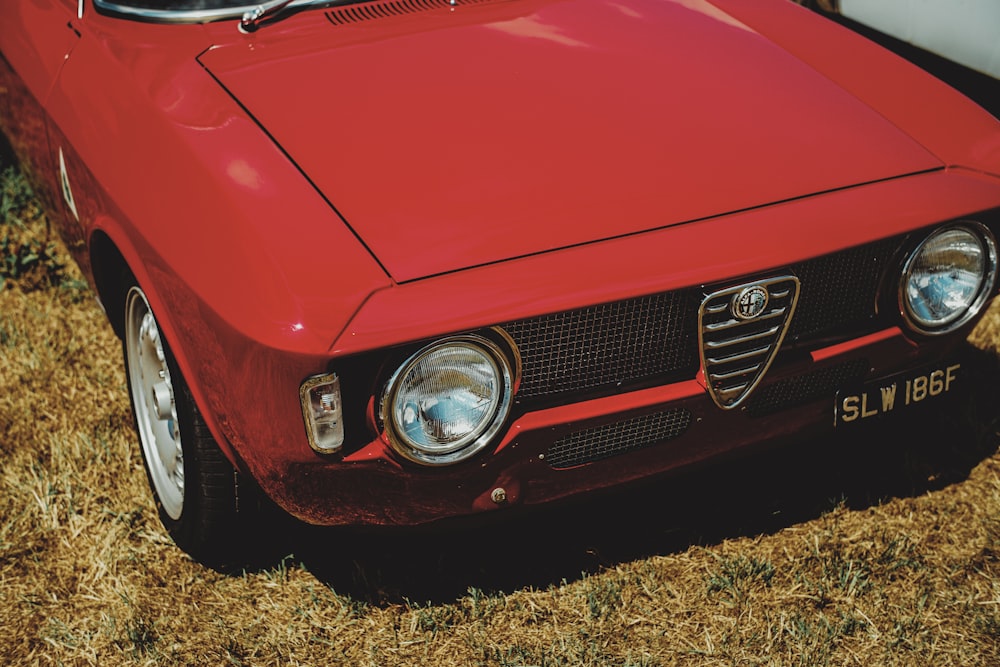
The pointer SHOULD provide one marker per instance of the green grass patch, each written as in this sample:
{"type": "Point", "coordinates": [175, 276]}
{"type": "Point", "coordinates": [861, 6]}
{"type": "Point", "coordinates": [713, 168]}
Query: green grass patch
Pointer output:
{"type": "Point", "coordinates": [30, 257]}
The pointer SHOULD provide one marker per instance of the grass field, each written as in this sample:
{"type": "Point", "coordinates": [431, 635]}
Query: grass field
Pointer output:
{"type": "Point", "coordinates": [881, 551]}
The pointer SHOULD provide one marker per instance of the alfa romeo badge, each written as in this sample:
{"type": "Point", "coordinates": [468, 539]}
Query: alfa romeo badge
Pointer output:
{"type": "Point", "coordinates": [749, 302]}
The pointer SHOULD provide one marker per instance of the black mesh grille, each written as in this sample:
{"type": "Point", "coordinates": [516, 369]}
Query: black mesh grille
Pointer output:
{"type": "Point", "coordinates": [839, 290]}
{"type": "Point", "coordinates": [608, 345]}
{"type": "Point", "coordinates": [613, 439]}
{"type": "Point", "coordinates": [805, 388]}
{"type": "Point", "coordinates": [611, 347]}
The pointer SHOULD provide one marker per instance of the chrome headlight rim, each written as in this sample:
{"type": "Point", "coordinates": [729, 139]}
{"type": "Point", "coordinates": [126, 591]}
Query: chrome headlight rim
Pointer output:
{"type": "Point", "coordinates": [976, 306]}
{"type": "Point", "coordinates": [506, 364]}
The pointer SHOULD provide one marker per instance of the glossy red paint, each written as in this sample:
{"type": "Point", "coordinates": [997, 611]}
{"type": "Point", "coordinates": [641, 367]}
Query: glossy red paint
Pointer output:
{"type": "Point", "coordinates": [298, 198]}
{"type": "Point", "coordinates": [947, 124]}
{"type": "Point", "coordinates": [38, 41]}
{"type": "Point", "coordinates": [518, 114]}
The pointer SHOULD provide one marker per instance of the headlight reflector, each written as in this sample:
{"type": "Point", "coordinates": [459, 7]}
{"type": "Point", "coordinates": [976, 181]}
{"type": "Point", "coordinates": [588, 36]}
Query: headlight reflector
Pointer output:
{"type": "Point", "coordinates": [448, 400]}
{"type": "Point", "coordinates": [948, 278]}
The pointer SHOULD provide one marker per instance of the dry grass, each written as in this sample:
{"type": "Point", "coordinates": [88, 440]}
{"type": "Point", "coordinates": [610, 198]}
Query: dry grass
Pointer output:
{"type": "Point", "coordinates": [879, 552]}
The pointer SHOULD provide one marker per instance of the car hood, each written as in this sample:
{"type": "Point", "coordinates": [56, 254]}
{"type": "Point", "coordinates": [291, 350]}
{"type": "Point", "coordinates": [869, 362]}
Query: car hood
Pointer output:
{"type": "Point", "coordinates": [455, 136]}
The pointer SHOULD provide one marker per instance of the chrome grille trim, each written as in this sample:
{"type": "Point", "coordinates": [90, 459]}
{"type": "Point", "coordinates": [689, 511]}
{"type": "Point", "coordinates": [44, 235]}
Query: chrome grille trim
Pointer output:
{"type": "Point", "coordinates": [742, 356]}
{"type": "Point", "coordinates": [736, 340]}
{"type": "Point", "coordinates": [727, 343]}
{"type": "Point", "coordinates": [722, 326]}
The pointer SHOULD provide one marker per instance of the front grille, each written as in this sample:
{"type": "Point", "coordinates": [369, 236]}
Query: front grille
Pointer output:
{"type": "Point", "coordinates": [608, 345]}
{"type": "Point", "coordinates": [805, 388]}
{"type": "Point", "coordinates": [737, 352]}
{"type": "Point", "coordinates": [839, 290]}
{"type": "Point", "coordinates": [617, 438]}
{"type": "Point", "coordinates": [613, 347]}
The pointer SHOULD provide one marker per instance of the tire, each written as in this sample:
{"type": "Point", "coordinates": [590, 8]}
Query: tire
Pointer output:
{"type": "Point", "coordinates": [194, 485]}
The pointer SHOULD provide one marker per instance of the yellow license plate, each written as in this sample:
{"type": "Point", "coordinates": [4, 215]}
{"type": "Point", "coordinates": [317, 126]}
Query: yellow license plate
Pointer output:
{"type": "Point", "coordinates": [894, 393]}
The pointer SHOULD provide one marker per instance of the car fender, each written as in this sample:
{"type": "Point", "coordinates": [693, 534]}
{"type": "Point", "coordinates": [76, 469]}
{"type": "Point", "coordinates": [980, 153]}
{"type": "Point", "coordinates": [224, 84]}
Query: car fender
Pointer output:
{"type": "Point", "coordinates": [274, 269]}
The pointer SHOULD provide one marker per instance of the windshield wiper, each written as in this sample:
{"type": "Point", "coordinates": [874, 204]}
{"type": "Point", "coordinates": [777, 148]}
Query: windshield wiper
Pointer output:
{"type": "Point", "coordinates": [266, 12]}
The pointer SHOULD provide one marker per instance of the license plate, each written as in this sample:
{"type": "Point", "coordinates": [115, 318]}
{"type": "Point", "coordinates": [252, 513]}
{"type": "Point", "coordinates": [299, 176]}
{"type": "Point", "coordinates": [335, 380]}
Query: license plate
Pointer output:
{"type": "Point", "coordinates": [894, 393]}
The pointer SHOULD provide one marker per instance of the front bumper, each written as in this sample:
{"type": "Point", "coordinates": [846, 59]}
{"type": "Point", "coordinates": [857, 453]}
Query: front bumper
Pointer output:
{"type": "Point", "coordinates": [530, 466]}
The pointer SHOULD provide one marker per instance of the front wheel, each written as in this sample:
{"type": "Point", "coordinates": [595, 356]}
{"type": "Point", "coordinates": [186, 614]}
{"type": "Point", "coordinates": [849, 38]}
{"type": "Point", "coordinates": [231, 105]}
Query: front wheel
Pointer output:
{"type": "Point", "coordinates": [194, 485]}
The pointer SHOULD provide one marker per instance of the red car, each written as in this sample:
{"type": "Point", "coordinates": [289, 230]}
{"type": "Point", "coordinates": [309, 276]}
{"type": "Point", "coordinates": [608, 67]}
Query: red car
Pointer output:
{"type": "Point", "coordinates": [402, 260]}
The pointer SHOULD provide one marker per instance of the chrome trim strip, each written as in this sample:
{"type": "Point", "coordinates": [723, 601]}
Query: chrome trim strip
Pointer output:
{"type": "Point", "coordinates": [736, 373]}
{"type": "Point", "coordinates": [728, 324]}
{"type": "Point", "coordinates": [757, 351]}
{"type": "Point", "coordinates": [724, 394]}
{"type": "Point", "coordinates": [716, 344]}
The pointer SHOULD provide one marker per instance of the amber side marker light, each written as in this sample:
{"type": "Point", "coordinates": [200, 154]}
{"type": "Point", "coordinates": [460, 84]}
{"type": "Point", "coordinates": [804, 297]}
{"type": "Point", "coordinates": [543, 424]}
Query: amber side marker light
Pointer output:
{"type": "Point", "coordinates": [323, 411]}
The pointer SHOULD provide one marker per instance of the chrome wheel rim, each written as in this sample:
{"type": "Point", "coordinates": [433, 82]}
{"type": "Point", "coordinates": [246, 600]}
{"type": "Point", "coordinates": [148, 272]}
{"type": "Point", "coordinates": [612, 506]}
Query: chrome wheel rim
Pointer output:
{"type": "Point", "coordinates": [153, 403]}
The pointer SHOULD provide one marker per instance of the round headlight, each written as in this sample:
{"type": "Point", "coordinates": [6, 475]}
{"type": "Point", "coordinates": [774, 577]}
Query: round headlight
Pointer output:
{"type": "Point", "coordinates": [948, 278]}
{"type": "Point", "coordinates": [446, 402]}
